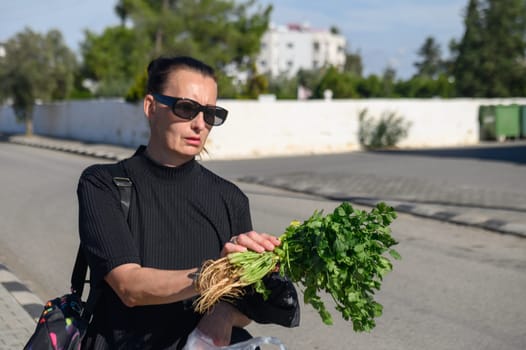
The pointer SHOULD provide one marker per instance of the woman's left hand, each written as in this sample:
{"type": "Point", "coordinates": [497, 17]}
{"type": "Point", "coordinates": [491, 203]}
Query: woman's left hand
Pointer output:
{"type": "Point", "coordinates": [258, 242]}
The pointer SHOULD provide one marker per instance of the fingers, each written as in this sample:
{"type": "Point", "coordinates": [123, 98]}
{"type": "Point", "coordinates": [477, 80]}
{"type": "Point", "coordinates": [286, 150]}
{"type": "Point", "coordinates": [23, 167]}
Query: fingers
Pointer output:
{"type": "Point", "coordinates": [258, 242]}
{"type": "Point", "coordinates": [232, 246]}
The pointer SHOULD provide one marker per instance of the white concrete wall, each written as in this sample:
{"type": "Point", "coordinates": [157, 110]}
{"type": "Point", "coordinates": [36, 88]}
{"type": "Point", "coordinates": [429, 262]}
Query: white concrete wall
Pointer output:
{"type": "Point", "coordinates": [257, 128]}
{"type": "Point", "coordinates": [104, 121]}
{"type": "Point", "coordinates": [8, 122]}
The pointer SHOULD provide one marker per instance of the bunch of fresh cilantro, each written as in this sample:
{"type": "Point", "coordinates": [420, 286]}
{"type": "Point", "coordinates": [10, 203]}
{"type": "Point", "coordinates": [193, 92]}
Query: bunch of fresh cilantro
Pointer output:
{"type": "Point", "coordinates": [342, 254]}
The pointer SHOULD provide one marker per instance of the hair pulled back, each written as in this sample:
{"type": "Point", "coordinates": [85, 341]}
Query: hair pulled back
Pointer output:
{"type": "Point", "coordinates": [160, 68]}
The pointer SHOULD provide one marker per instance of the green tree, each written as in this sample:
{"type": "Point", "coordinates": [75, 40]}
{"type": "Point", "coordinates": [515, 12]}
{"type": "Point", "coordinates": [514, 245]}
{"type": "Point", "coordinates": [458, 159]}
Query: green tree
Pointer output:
{"type": "Point", "coordinates": [467, 64]}
{"type": "Point", "coordinates": [287, 88]}
{"type": "Point", "coordinates": [283, 87]}
{"type": "Point", "coordinates": [431, 64]}
{"type": "Point", "coordinates": [113, 59]}
{"type": "Point", "coordinates": [389, 82]}
{"type": "Point", "coordinates": [353, 63]}
{"type": "Point", "coordinates": [335, 30]}
{"type": "Point", "coordinates": [369, 87]}
{"type": "Point", "coordinates": [223, 33]}
{"type": "Point", "coordinates": [503, 65]}
{"type": "Point", "coordinates": [489, 60]}
{"type": "Point", "coordinates": [36, 67]}
{"type": "Point", "coordinates": [122, 11]}
{"type": "Point", "coordinates": [310, 78]}
{"type": "Point", "coordinates": [152, 19]}
{"type": "Point", "coordinates": [229, 87]}
{"type": "Point", "coordinates": [342, 85]}
{"type": "Point", "coordinates": [257, 84]}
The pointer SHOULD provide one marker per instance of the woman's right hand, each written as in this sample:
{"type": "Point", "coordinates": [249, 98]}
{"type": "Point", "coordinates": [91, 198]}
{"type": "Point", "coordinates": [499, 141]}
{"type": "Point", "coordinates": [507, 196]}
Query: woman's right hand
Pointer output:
{"type": "Point", "coordinates": [252, 240]}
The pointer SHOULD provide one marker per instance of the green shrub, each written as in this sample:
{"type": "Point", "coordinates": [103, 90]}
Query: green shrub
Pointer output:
{"type": "Point", "coordinates": [384, 132]}
{"type": "Point", "coordinates": [137, 90]}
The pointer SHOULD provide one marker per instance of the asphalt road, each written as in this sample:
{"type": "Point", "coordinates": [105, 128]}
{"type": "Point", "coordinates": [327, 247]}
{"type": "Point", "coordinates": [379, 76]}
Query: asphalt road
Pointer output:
{"type": "Point", "coordinates": [456, 287]}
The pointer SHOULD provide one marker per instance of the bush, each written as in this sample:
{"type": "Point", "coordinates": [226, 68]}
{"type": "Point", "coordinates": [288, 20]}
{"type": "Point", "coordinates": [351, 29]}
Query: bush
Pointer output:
{"type": "Point", "coordinates": [112, 88]}
{"type": "Point", "coordinates": [385, 132]}
{"type": "Point", "coordinates": [137, 90]}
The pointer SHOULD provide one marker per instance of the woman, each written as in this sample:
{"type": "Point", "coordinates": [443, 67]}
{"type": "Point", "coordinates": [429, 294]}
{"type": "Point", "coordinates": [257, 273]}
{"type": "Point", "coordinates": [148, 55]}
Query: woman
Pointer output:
{"type": "Point", "coordinates": [181, 214]}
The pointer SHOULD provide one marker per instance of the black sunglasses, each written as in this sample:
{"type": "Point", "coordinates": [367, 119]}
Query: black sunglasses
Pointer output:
{"type": "Point", "coordinates": [188, 109]}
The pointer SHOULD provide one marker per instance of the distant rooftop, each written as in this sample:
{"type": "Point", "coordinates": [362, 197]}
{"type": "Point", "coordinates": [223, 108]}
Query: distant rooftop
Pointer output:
{"type": "Point", "coordinates": [296, 27]}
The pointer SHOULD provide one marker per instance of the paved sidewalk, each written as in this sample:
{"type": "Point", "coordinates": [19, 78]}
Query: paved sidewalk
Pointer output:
{"type": "Point", "coordinates": [104, 151]}
{"type": "Point", "coordinates": [496, 211]}
{"type": "Point", "coordinates": [19, 307]}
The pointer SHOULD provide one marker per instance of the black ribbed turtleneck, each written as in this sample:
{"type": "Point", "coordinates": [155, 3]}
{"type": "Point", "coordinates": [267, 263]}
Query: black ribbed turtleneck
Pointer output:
{"type": "Point", "coordinates": [179, 217]}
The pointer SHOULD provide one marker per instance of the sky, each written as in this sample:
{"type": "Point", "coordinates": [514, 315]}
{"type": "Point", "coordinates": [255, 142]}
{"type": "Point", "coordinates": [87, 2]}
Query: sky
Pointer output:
{"type": "Point", "coordinates": [386, 33]}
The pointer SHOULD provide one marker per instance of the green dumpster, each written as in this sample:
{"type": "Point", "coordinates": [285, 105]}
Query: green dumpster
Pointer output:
{"type": "Point", "coordinates": [523, 122]}
{"type": "Point", "coordinates": [507, 122]}
{"type": "Point", "coordinates": [487, 123]}
{"type": "Point", "coordinates": [500, 122]}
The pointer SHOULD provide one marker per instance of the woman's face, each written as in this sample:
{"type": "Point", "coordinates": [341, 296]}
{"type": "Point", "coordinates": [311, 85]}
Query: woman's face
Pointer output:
{"type": "Point", "coordinates": [175, 140]}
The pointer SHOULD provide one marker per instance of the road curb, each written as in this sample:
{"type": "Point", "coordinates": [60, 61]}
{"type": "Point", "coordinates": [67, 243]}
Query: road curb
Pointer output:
{"type": "Point", "coordinates": [29, 301]}
{"type": "Point", "coordinates": [484, 222]}
{"type": "Point", "coordinates": [58, 146]}
{"type": "Point", "coordinates": [422, 210]}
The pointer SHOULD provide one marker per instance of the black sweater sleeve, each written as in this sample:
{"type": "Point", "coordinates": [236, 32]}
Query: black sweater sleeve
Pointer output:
{"type": "Point", "coordinates": [104, 233]}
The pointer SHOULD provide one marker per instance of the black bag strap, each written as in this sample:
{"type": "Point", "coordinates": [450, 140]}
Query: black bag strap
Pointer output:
{"type": "Point", "coordinates": [80, 269]}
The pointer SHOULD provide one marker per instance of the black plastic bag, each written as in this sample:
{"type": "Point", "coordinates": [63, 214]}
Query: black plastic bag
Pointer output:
{"type": "Point", "coordinates": [281, 307]}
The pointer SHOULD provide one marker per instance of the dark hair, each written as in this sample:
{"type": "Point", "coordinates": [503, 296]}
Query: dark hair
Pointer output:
{"type": "Point", "coordinates": [160, 68]}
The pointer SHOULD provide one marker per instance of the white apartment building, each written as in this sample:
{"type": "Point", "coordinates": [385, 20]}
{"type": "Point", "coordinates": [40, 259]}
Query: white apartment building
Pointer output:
{"type": "Point", "coordinates": [287, 49]}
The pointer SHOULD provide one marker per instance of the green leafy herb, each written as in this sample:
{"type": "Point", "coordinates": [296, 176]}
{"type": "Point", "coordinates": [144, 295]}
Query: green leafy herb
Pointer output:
{"type": "Point", "coordinates": [341, 253]}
